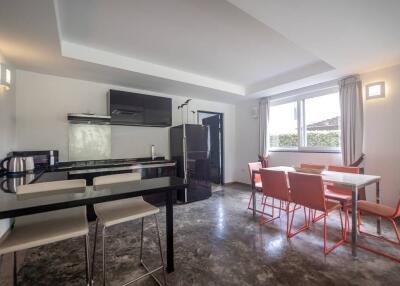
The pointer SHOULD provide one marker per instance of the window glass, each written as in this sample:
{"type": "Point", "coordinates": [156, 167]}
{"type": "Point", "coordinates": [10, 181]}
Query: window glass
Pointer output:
{"type": "Point", "coordinates": [283, 125]}
{"type": "Point", "coordinates": [322, 118]}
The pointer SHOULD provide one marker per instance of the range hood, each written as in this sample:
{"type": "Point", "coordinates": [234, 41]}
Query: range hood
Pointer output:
{"type": "Point", "coordinates": [88, 118]}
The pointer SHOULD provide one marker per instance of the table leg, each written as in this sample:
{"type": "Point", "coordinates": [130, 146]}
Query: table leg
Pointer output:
{"type": "Point", "coordinates": [354, 222]}
{"type": "Point", "coordinates": [253, 190]}
{"type": "Point", "coordinates": [170, 231]}
{"type": "Point", "coordinates": [378, 219]}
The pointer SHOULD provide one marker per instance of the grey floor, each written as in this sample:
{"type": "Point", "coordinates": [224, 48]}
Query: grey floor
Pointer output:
{"type": "Point", "coordinates": [217, 242]}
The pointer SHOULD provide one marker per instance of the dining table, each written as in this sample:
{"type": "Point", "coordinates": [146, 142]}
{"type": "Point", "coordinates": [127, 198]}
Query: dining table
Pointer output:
{"type": "Point", "coordinates": [353, 182]}
{"type": "Point", "coordinates": [14, 205]}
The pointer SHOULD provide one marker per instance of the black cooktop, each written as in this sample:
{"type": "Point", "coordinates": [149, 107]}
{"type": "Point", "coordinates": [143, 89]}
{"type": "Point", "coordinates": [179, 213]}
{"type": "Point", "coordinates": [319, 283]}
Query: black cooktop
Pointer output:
{"type": "Point", "coordinates": [107, 163]}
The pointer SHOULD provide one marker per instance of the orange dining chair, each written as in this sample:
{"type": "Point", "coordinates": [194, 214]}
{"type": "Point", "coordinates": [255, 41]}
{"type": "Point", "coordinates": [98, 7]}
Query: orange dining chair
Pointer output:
{"type": "Point", "coordinates": [312, 166]}
{"type": "Point", "coordinates": [307, 190]}
{"type": "Point", "coordinates": [385, 212]}
{"type": "Point", "coordinates": [254, 166]}
{"type": "Point", "coordinates": [275, 186]}
{"type": "Point", "coordinates": [341, 194]}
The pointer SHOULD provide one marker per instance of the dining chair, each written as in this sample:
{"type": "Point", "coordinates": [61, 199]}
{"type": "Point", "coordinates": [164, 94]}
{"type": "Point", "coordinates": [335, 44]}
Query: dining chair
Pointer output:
{"type": "Point", "coordinates": [275, 186]}
{"type": "Point", "coordinates": [312, 166]}
{"type": "Point", "coordinates": [307, 190]}
{"type": "Point", "coordinates": [35, 230]}
{"type": "Point", "coordinates": [386, 212]}
{"type": "Point", "coordinates": [254, 166]}
{"type": "Point", "coordinates": [120, 211]}
{"type": "Point", "coordinates": [341, 194]}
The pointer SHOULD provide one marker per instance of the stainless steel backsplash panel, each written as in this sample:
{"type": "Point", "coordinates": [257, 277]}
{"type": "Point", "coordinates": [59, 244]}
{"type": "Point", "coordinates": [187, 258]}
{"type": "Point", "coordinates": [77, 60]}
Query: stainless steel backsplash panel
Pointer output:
{"type": "Point", "coordinates": [89, 142]}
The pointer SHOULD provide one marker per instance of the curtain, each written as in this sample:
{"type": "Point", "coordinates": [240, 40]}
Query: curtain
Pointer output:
{"type": "Point", "coordinates": [351, 108]}
{"type": "Point", "coordinates": [263, 127]}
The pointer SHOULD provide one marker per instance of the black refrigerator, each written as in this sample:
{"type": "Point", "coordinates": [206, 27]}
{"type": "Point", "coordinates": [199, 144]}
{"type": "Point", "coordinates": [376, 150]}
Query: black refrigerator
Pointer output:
{"type": "Point", "coordinates": [189, 146]}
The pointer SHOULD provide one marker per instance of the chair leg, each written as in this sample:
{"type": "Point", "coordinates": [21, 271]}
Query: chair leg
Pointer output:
{"type": "Point", "coordinates": [394, 258]}
{"type": "Point", "coordinates": [88, 278]}
{"type": "Point", "coordinates": [250, 200]}
{"type": "Point", "coordinates": [303, 227]}
{"type": "Point", "coordinates": [161, 253]}
{"type": "Point", "coordinates": [395, 229]}
{"type": "Point", "coordinates": [265, 221]}
{"type": "Point", "coordinates": [104, 255]}
{"type": "Point", "coordinates": [94, 249]}
{"type": "Point", "coordinates": [15, 281]}
{"type": "Point", "coordinates": [336, 244]}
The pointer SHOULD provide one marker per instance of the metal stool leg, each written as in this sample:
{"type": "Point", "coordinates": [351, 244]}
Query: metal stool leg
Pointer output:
{"type": "Point", "coordinates": [88, 279]}
{"type": "Point", "coordinates": [141, 242]}
{"type": "Point", "coordinates": [94, 249]}
{"type": "Point", "coordinates": [161, 253]}
{"type": "Point", "coordinates": [15, 269]}
{"type": "Point", "coordinates": [104, 255]}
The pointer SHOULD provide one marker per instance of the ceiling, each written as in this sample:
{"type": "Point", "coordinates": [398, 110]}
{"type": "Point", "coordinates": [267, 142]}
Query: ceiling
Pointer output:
{"type": "Point", "coordinates": [213, 49]}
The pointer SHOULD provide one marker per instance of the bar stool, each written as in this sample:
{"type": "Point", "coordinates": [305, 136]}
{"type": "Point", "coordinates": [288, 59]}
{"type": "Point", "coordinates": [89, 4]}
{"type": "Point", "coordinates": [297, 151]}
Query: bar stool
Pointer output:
{"type": "Point", "coordinates": [120, 211]}
{"type": "Point", "coordinates": [45, 228]}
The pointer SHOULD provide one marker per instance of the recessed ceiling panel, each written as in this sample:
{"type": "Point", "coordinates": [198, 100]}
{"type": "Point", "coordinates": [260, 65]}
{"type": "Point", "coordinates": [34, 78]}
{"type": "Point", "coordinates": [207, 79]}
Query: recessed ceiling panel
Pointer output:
{"type": "Point", "coordinates": [206, 37]}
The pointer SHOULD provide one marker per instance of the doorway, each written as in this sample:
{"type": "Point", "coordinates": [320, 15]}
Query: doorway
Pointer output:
{"type": "Point", "coordinates": [214, 121]}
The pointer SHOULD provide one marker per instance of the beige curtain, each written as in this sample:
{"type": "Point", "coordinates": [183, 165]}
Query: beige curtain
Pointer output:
{"type": "Point", "coordinates": [263, 126]}
{"type": "Point", "coordinates": [351, 108]}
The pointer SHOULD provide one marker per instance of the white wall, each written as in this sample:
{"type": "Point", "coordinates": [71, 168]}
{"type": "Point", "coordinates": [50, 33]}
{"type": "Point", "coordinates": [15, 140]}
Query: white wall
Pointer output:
{"type": "Point", "coordinates": [43, 102]}
{"type": "Point", "coordinates": [381, 140]}
{"type": "Point", "coordinates": [7, 126]}
{"type": "Point", "coordinates": [246, 139]}
{"type": "Point", "coordinates": [382, 134]}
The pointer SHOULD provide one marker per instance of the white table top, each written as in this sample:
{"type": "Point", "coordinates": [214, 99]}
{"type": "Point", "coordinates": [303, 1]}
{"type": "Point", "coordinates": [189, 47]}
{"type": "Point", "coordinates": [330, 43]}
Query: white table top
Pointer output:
{"type": "Point", "coordinates": [339, 178]}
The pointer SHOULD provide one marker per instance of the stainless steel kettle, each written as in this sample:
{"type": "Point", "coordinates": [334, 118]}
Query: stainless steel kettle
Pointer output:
{"type": "Point", "coordinates": [14, 164]}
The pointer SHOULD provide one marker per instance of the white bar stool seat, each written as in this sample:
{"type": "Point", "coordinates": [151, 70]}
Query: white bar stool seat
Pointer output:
{"type": "Point", "coordinates": [116, 212]}
{"type": "Point", "coordinates": [120, 211]}
{"type": "Point", "coordinates": [45, 228]}
{"type": "Point", "coordinates": [48, 227]}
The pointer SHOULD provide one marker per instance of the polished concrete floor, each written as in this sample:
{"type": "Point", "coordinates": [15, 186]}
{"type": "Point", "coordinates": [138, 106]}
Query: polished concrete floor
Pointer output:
{"type": "Point", "coordinates": [217, 242]}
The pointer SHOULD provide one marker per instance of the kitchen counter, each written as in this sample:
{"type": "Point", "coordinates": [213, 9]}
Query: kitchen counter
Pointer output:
{"type": "Point", "coordinates": [90, 169]}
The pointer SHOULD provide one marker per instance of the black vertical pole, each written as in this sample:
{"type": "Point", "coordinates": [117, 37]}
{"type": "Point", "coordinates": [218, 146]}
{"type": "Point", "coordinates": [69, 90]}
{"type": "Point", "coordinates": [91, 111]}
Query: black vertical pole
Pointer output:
{"type": "Point", "coordinates": [170, 231]}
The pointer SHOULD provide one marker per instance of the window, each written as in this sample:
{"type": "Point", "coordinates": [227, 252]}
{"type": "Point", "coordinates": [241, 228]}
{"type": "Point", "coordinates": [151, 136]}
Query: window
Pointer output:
{"type": "Point", "coordinates": [283, 126]}
{"type": "Point", "coordinates": [305, 123]}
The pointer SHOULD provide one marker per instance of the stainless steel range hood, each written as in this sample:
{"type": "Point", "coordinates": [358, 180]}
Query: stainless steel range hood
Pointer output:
{"type": "Point", "coordinates": [88, 118]}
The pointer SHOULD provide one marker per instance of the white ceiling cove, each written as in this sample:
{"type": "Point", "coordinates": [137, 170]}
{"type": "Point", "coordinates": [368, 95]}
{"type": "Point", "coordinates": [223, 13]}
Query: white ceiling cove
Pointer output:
{"type": "Point", "coordinates": [213, 49]}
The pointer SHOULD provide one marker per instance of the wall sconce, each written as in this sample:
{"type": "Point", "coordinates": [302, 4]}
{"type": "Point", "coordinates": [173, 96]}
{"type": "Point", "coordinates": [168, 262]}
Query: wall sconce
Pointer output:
{"type": "Point", "coordinates": [375, 90]}
{"type": "Point", "coordinates": [5, 76]}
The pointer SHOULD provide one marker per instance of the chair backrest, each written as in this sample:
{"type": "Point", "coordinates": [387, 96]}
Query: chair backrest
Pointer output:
{"type": "Point", "coordinates": [63, 185]}
{"type": "Point", "coordinates": [312, 166]}
{"type": "Point", "coordinates": [344, 169]}
{"type": "Point", "coordinates": [263, 160]}
{"type": "Point", "coordinates": [117, 178]}
{"type": "Point", "coordinates": [307, 190]}
{"type": "Point", "coordinates": [254, 166]}
{"type": "Point", "coordinates": [274, 184]}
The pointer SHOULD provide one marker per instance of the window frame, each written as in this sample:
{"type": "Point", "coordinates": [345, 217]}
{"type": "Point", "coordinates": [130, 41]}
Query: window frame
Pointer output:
{"type": "Point", "coordinates": [301, 130]}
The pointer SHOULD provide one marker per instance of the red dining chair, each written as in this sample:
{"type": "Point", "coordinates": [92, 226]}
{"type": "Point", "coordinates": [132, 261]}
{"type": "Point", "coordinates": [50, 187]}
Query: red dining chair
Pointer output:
{"type": "Point", "coordinates": [275, 186]}
{"type": "Point", "coordinates": [312, 166]}
{"type": "Point", "coordinates": [308, 191]}
{"type": "Point", "coordinates": [341, 194]}
{"type": "Point", "coordinates": [254, 166]}
{"type": "Point", "coordinates": [385, 212]}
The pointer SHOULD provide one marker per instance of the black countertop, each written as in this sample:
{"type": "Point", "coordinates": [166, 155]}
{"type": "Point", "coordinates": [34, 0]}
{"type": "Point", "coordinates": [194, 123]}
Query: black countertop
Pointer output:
{"type": "Point", "coordinates": [12, 205]}
{"type": "Point", "coordinates": [62, 171]}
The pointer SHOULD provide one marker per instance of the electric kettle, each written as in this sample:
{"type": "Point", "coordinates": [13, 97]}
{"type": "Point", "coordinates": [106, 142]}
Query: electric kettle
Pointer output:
{"type": "Point", "coordinates": [14, 165]}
